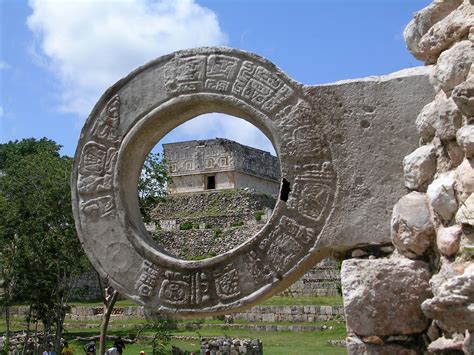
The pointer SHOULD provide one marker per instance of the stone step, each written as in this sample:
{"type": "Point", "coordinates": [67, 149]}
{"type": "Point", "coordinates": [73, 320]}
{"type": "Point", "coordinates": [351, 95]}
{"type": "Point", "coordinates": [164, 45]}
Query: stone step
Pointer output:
{"type": "Point", "coordinates": [268, 314]}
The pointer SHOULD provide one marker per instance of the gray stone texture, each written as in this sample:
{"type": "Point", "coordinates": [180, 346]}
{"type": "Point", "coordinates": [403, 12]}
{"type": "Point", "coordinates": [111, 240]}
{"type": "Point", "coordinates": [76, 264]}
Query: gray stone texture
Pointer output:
{"type": "Point", "coordinates": [412, 227]}
{"type": "Point", "coordinates": [442, 197]}
{"type": "Point", "coordinates": [448, 239]}
{"type": "Point", "coordinates": [453, 66]}
{"type": "Point", "coordinates": [465, 139]}
{"type": "Point", "coordinates": [232, 165]}
{"type": "Point", "coordinates": [419, 167]}
{"type": "Point", "coordinates": [452, 304]}
{"type": "Point", "coordinates": [422, 22]}
{"type": "Point", "coordinates": [355, 346]}
{"type": "Point", "coordinates": [383, 296]}
{"type": "Point", "coordinates": [340, 147]}
{"type": "Point", "coordinates": [463, 96]}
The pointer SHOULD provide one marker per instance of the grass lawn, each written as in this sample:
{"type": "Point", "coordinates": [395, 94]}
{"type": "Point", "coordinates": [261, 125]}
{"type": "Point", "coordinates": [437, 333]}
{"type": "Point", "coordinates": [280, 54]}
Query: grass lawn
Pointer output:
{"type": "Point", "coordinates": [273, 301]}
{"type": "Point", "coordinates": [273, 342]}
{"type": "Point", "coordinates": [277, 343]}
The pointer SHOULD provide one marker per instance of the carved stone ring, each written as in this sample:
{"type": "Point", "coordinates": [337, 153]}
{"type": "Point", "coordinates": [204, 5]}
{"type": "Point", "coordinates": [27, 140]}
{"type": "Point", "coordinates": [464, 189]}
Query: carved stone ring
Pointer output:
{"type": "Point", "coordinates": [126, 123]}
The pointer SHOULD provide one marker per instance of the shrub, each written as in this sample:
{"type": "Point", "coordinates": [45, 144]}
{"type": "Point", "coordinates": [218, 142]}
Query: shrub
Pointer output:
{"type": "Point", "coordinates": [217, 232]}
{"type": "Point", "coordinates": [186, 226]}
{"type": "Point", "coordinates": [237, 223]}
{"type": "Point", "coordinates": [258, 215]}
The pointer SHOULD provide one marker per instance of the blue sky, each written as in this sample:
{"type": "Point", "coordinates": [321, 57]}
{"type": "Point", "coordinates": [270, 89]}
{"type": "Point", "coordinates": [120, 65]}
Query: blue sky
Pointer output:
{"type": "Point", "coordinates": [58, 56]}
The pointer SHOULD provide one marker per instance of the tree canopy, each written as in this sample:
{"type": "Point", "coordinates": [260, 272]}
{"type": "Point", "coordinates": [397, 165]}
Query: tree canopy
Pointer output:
{"type": "Point", "coordinates": [40, 252]}
{"type": "Point", "coordinates": [152, 184]}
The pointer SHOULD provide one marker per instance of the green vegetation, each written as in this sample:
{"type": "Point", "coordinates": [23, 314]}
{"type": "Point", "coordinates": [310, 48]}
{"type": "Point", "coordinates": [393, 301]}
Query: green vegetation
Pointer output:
{"type": "Point", "coordinates": [273, 342]}
{"type": "Point", "coordinates": [258, 215]}
{"type": "Point", "coordinates": [152, 184]}
{"type": "Point", "coordinates": [237, 223]}
{"type": "Point", "coordinates": [185, 226]}
{"type": "Point", "coordinates": [217, 233]}
{"type": "Point", "coordinates": [303, 301]}
{"type": "Point", "coordinates": [40, 252]}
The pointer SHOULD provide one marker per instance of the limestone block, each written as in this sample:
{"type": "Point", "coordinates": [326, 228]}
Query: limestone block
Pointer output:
{"type": "Point", "coordinates": [464, 176]}
{"type": "Point", "coordinates": [453, 66]}
{"type": "Point", "coordinates": [443, 345]}
{"type": "Point", "coordinates": [448, 119]}
{"type": "Point", "coordinates": [452, 304]}
{"type": "Point", "coordinates": [422, 21]}
{"type": "Point", "coordinates": [465, 214]}
{"type": "Point", "coordinates": [447, 31]}
{"type": "Point", "coordinates": [468, 345]}
{"type": "Point", "coordinates": [355, 346]}
{"type": "Point", "coordinates": [412, 227]}
{"type": "Point", "coordinates": [441, 196]}
{"type": "Point", "coordinates": [463, 96]}
{"type": "Point", "coordinates": [339, 146]}
{"type": "Point", "coordinates": [455, 153]}
{"type": "Point", "coordinates": [447, 240]}
{"type": "Point", "coordinates": [383, 296]}
{"type": "Point", "coordinates": [424, 121]}
{"type": "Point", "coordinates": [465, 139]}
{"type": "Point", "coordinates": [419, 167]}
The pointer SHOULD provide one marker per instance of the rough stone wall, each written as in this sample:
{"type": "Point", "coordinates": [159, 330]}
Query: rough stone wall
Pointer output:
{"type": "Point", "coordinates": [420, 297]}
{"type": "Point", "coordinates": [86, 287]}
{"type": "Point", "coordinates": [190, 162]}
{"type": "Point", "coordinates": [322, 280]}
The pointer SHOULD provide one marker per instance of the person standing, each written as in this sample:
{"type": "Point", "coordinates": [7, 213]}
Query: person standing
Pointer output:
{"type": "Point", "coordinates": [89, 348]}
{"type": "Point", "coordinates": [66, 349]}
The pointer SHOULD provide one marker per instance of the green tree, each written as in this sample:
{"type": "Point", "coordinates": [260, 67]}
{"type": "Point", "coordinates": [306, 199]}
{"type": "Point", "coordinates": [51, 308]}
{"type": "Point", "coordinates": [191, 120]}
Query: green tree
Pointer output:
{"type": "Point", "coordinates": [40, 252]}
{"type": "Point", "coordinates": [152, 184]}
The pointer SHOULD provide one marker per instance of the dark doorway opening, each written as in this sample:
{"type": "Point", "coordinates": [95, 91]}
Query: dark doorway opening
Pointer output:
{"type": "Point", "coordinates": [211, 182]}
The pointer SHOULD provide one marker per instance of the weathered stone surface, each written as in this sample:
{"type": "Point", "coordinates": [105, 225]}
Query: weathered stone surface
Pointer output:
{"type": "Point", "coordinates": [463, 96]}
{"type": "Point", "coordinates": [447, 31]}
{"type": "Point", "coordinates": [453, 66]}
{"type": "Point", "coordinates": [425, 120]}
{"type": "Point", "coordinates": [383, 296]}
{"type": "Point", "coordinates": [412, 228]}
{"type": "Point", "coordinates": [464, 180]}
{"type": "Point", "coordinates": [465, 214]}
{"type": "Point", "coordinates": [441, 116]}
{"type": "Point", "coordinates": [468, 345]}
{"type": "Point", "coordinates": [448, 119]}
{"type": "Point", "coordinates": [443, 345]}
{"type": "Point", "coordinates": [419, 167]}
{"type": "Point", "coordinates": [355, 346]}
{"type": "Point", "coordinates": [433, 331]}
{"type": "Point", "coordinates": [441, 196]}
{"type": "Point", "coordinates": [421, 23]}
{"type": "Point", "coordinates": [447, 240]}
{"type": "Point", "coordinates": [452, 304]}
{"type": "Point", "coordinates": [324, 136]}
{"type": "Point", "coordinates": [465, 139]}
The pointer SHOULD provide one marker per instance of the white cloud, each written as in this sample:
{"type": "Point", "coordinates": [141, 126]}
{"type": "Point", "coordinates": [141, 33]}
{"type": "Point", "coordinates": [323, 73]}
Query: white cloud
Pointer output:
{"type": "Point", "coordinates": [223, 126]}
{"type": "Point", "coordinates": [91, 44]}
{"type": "Point", "coordinates": [4, 65]}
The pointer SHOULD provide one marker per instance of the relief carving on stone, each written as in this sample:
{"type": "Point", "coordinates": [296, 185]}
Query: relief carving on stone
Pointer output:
{"type": "Point", "coordinates": [97, 163]}
{"type": "Point", "coordinates": [227, 282]}
{"type": "Point", "coordinates": [147, 279]}
{"type": "Point", "coordinates": [105, 174]}
{"type": "Point", "coordinates": [181, 288]}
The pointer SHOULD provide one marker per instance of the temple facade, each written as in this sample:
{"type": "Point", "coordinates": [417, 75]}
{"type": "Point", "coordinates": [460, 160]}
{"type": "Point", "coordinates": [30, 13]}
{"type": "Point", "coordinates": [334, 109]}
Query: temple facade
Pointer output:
{"type": "Point", "coordinates": [217, 164]}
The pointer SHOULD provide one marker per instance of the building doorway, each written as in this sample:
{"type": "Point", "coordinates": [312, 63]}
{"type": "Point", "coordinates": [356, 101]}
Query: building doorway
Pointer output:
{"type": "Point", "coordinates": [211, 182]}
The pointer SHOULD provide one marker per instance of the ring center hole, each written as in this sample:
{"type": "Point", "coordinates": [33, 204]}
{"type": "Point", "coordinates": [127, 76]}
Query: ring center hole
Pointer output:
{"type": "Point", "coordinates": [208, 186]}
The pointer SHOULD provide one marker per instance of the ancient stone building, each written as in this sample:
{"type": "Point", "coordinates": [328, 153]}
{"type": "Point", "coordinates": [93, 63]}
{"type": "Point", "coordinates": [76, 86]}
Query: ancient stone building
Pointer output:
{"type": "Point", "coordinates": [217, 164]}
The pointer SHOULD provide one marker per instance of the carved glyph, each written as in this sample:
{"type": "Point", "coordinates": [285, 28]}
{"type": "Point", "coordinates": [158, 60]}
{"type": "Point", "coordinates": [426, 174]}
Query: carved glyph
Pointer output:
{"type": "Point", "coordinates": [116, 138]}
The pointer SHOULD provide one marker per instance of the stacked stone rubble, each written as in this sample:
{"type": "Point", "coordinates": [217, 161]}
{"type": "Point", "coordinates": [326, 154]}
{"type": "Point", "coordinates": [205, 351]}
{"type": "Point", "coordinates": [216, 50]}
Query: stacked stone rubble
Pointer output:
{"type": "Point", "coordinates": [421, 297]}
